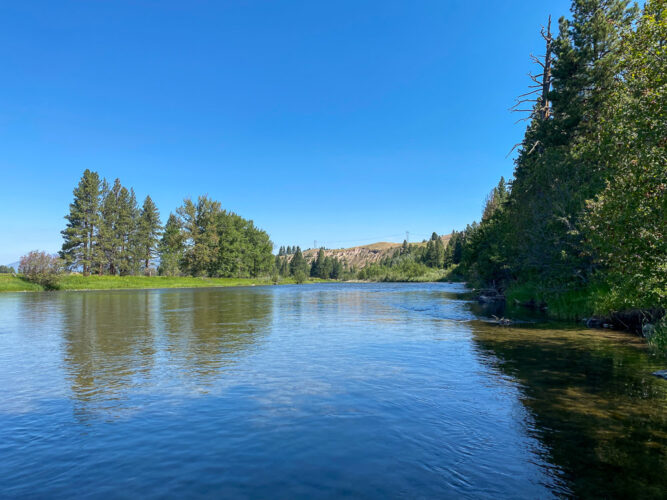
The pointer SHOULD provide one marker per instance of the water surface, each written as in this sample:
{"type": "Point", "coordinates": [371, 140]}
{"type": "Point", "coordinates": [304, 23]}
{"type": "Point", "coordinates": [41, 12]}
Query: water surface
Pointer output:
{"type": "Point", "coordinates": [352, 390]}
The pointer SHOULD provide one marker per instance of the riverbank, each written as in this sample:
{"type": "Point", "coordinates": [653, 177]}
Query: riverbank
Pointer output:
{"type": "Point", "coordinates": [594, 305]}
{"type": "Point", "coordinates": [15, 283]}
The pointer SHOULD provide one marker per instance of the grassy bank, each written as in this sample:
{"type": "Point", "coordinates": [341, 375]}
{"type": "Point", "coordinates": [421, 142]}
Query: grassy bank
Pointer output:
{"type": "Point", "coordinates": [412, 274]}
{"type": "Point", "coordinates": [570, 305]}
{"type": "Point", "coordinates": [14, 283]}
{"type": "Point", "coordinates": [396, 276]}
{"type": "Point", "coordinates": [595, 300]}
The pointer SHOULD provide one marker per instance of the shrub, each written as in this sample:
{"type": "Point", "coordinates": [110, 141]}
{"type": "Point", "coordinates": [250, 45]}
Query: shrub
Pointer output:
{"type": "Point", "coordinates": [41, 268]}
{"type": "Point", "coordinates": [299, 276]}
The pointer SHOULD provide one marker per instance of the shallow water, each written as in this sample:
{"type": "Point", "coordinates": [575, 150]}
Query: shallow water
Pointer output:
{"type": "Point", "coordinates": [351, 390]}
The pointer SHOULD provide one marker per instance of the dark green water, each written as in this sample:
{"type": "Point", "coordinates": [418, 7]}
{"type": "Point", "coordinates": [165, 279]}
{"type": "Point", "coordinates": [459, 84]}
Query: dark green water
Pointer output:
{"type": "Point", "coordinates": [322, 391]}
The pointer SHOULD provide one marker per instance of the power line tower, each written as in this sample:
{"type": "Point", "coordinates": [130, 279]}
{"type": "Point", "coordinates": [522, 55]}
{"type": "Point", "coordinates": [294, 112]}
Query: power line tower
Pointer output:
{"type": "Point", "coordinates": [315, 244]}
{"type": "Point", "coordinates": [407, 236]}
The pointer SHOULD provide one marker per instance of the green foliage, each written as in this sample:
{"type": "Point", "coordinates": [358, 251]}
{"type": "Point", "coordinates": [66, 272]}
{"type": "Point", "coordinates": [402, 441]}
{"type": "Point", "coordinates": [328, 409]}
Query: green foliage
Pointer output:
{"type": "Point", "coordinates": [6, 270]}
{"type": "Point", "coordinates": [82, 223]}
{"type": "Point", "coordinates": [42, 269]}
{"type": "Point", "coordinates": [565, 303]}
{"type": "Point", "coordinates": [108, 233]}
{"type": "Point", "coordinates": [316, 269]}
{"type": "Point", "coordinates": [300, 275]}
{"type": "Point", "coordinates": [171, 248]}
{"type": "Point", "coordinates": [149, 230]}
{"type": "Point", "coordinates": [625, 224]}
{"type": "Point", "coordinates": [586, 213]}
{"type": "Point", "coordinates": [275, 276]}
{"type": "Point", "coordinates": [298, 264]}
{"type": "Point", "coordinates": [220, 243]}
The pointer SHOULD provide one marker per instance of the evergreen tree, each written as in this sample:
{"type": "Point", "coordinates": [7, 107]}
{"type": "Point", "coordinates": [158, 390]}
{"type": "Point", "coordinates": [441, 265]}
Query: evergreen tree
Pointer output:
{"type": "Point", "coordinates": [82, 220]}
{"type": "Point", "coordinates": [318, 264]}
{"type": "Point", "coordinates": [626, 224]}
{"type": "Point", "coordinates": [110, 235]}
{"type": "Point", "coordinates": [337, 269]}
{"type": "Point", "coordinates": [326, 268]}
{"type": "Point", "coordinates": [199, 223]}
{"type": "Point", "coordinates": [284, 267]}
{"type": "Point", "coordinates": [559, 165]}
{"type": "Point", "coordinates": [171, 247]}
{"type": "Point", "coordinates": [298, 264]}
{"type": "Point", "coordinates": [148, 232]}
{"type": "Point", "coordinates": [439, 253]}
{"type": "Point", "coordinates": [126, 232]}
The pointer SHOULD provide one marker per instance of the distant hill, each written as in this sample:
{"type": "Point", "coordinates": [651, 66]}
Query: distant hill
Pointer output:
{"type": "Point", "coordinates": [363, 255]}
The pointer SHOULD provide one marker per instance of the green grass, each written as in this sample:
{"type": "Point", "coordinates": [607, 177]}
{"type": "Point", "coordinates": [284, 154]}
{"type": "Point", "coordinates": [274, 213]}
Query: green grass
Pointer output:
{"type": "Point", "coordinates": [11, 283]}
{"type": "Point", "coordinates": [572, 305]}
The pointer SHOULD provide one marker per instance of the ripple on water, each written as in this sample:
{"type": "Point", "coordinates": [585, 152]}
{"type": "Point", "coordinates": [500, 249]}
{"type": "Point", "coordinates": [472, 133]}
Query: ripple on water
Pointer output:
{"type": "Point", "coordinates": [387, 390]}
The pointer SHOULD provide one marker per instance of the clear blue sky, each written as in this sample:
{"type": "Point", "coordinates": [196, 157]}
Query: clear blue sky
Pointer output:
{"type": "Point", "coordinates": [344, 122]}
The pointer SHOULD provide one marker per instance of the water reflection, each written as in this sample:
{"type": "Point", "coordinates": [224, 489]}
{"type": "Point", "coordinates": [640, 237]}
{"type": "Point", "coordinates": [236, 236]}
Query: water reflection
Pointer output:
{"type": "Point", "coordinates": [594, 404]}
{"type": "Point", "coordinates": [118, 346]}
{"type": "Point", "coordinates": [376, 391]}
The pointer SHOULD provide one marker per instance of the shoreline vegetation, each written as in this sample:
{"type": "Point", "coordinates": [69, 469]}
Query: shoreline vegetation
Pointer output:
{"type": "Point", "coordinates": [77, 282]}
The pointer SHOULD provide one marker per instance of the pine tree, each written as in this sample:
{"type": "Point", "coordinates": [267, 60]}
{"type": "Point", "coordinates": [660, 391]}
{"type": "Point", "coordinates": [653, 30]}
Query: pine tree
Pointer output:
{"type": "Point", "coordinates": [318, 264]}
{"type": "Point", "coordinates": [326, 269]}
{"type": "Point", "coordinates": [439, 253]}
{"type": "Point", "coordinates": [298, 264]}
{"type": "Point", "coordinates": [99, 264]}
{"type": "Point", "coordinates": [126, 232]}
{"type": "Point", "coordinates": [199, 222]}
{"type": "Point", "coordinates": [559, 165]}
{"type": "Point", "coordinates": [171, 247]}
{"type": "Point", "coordinates": [626, 224]}
{"type": "Point", "coordinates": [284, 267]}
{"type": "Point", "coordinates": [337, 269]}
{"type": "Point", "coordinates": [82, 220]}
{"type": "Point", "coordinates": [109, 239]}
{"type": "Point", "coordinates": [148, 232]}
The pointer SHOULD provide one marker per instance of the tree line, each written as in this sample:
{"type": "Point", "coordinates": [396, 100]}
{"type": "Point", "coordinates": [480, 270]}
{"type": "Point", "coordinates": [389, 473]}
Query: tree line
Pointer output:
{"type": "Point", "coordinates": [586, 206]}
{"type": "Point", "coordinates": [290, 262]}
{"type": "Point", "coordinates": [410, 261]}
{"type": "Point", "coordinates": [107, 233]}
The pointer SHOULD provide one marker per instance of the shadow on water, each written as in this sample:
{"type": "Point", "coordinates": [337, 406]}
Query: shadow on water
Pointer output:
{"type": "Point", "coordinates": [595, 406]}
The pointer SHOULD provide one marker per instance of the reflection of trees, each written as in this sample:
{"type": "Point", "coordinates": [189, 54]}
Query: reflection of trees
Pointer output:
{"type": "Point", "coordinates": [207, 329]}
{"type": "Point", "coordinates": [109, 344]}
{"type": "Point", "coordinates": [119, 345]}
{"type": "Point", "coordinates": [600, 414]}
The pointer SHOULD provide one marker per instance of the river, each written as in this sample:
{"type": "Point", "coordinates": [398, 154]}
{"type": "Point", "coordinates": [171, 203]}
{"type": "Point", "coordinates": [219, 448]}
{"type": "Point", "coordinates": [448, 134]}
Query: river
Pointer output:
{"type": "Point", "coordinates": [319, 391]}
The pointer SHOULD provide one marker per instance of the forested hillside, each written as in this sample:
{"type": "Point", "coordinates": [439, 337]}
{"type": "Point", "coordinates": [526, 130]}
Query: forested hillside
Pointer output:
{"type": "Point", "coordinates": [586, 209]}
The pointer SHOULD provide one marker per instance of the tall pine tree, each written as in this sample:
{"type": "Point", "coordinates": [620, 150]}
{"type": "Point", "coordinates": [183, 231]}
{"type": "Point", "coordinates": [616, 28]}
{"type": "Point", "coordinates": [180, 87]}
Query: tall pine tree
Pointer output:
{"type": "Point", "coordinates": [148, 233]}
{"type": "Point", "coordinates": [82, 221]}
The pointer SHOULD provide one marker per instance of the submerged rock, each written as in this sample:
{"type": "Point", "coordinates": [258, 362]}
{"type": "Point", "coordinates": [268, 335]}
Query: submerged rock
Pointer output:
{"type": "Point", "coordinates": [502, 321]}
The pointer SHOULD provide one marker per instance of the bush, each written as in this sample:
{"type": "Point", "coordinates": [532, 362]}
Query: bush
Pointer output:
{"type": "Point", "coordinates": [300, 276]}
{"type": "Point", "coordinates": [41, 268]}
